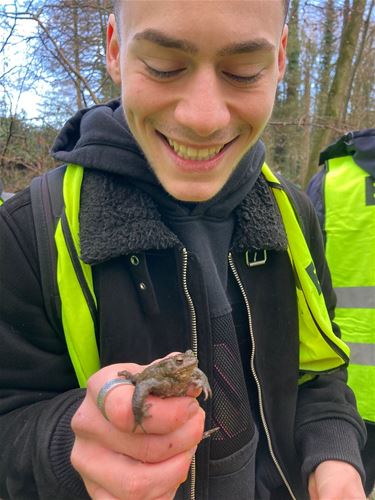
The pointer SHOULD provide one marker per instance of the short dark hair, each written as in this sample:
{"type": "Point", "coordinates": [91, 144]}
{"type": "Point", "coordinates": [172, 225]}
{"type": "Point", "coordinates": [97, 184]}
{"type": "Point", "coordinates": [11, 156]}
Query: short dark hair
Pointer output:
{"type": "Point", "coordinates": [286, 9]}
{"type": "Point", "coordinates": [117, 6]}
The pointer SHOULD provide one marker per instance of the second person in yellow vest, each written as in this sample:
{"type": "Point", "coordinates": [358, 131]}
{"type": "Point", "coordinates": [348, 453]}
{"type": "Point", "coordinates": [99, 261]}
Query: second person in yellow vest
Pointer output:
{"type": "Point", "coordinates": [343, 193]}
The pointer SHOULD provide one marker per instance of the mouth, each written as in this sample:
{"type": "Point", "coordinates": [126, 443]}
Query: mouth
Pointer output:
{"type": "Point", "coordinates": [188, 366]}
{"type": "Point", "coordinates": [203, 153]}
{"type": "Point", "coordinates": [186, 371]}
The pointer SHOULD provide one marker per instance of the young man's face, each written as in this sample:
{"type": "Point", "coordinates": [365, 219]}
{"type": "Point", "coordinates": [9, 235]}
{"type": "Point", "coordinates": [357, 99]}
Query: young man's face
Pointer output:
{"type": "Point", "coordinates": [198, 82]}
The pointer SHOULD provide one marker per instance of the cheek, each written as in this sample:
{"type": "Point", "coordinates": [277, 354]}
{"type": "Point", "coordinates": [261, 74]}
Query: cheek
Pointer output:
{"type": "Point", "coordinates": [257, 109]}
{"type": "Point", "coordinates": [143, 99]}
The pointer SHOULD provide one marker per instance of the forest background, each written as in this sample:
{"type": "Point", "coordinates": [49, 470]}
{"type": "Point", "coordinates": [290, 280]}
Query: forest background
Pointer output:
{"type": "Point", "coordinates": [58, 62]}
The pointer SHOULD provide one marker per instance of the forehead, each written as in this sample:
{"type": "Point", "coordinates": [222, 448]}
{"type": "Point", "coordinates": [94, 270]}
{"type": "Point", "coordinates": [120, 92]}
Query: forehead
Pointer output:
{"type": "Point", "coordinates": [207, 23]}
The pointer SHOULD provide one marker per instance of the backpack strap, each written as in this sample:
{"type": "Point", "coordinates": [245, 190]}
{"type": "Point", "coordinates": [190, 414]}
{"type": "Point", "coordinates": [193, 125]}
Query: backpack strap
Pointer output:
{"type": "Point", "coordinates": [47, 205]}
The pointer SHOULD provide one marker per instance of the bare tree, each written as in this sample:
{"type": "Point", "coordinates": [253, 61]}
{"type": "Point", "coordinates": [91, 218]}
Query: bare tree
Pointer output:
{"type": "Point", "coordinates": [328, 88]}
{"type": "Point", "coordinates": [339, 89]}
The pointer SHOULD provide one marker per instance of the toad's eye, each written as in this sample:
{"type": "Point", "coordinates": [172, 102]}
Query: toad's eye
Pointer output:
{"type": "Point", "coordinates": [179, 361]}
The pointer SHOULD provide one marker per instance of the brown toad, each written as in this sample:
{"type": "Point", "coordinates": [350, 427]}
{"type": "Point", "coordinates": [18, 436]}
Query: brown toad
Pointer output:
{"type": "Point", "coordinates": [166, 378]}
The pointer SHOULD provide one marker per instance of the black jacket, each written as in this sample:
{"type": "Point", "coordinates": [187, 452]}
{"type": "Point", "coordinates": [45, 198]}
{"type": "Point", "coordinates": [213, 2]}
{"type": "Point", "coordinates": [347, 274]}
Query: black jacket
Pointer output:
{"type": "Point", "coordinates": [38, 387]}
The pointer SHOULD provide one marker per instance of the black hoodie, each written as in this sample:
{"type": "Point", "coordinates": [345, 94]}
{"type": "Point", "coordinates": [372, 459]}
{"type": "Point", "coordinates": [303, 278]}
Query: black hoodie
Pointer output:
{"type": "Point", "coordinates": [205, 229]}
{"type": "Point", "coordinates": [124, 210]}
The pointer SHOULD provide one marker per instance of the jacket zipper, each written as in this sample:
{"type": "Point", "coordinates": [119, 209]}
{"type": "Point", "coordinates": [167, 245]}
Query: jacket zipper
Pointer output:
{"type": "Point", "coordinates": [255, 376]}
{"type": "Point", "coordinates": [194, 339]}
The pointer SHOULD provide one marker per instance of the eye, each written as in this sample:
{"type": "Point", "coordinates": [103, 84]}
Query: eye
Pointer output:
{"type": "Point", "coordinates": [244, 80]}
{"type": "Point", "coordinates": [162, 75]}
{"type": "Point", "coordinates": [179, 361]}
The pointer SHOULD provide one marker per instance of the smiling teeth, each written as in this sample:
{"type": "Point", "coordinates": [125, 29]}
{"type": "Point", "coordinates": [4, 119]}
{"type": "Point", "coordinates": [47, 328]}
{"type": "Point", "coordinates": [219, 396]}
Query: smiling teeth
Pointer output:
{"type": "Point", "coordinates": [189, 153]}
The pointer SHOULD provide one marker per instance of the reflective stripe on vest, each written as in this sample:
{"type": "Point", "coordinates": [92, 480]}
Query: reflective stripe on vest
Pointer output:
{"type": "Point", "coordinates": [349, 197]}
{"type": "Point", "coordinates": [320, 349]}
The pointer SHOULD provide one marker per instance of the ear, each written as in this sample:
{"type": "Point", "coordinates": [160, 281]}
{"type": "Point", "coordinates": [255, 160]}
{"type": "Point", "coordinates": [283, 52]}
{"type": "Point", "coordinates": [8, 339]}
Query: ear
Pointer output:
{"type": "Point", "coordinates": [113, 50]}
{"type": "Point", "coordinates": [282, 53]}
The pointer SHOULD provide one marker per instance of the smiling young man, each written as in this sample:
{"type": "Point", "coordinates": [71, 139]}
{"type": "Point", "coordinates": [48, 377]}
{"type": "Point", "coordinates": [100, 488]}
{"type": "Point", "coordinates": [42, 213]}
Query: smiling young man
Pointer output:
{"type": "Point", "coordinates": [186, 240]}
{"type": "Point", "coordinates": [197, 99]}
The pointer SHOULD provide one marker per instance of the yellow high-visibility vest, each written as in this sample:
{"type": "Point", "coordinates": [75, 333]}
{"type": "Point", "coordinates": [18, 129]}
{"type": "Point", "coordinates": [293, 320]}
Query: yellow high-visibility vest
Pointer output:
{"type": "Point", "coordinates": [349, 198]}
{"type": "Point", "coordinates": [320, 349]}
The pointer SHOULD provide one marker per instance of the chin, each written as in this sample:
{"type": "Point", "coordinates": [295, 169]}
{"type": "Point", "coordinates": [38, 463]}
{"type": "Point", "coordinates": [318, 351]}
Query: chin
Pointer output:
{"type": "Point", "coordinates": [190, 190]}
{"type": "Point", "coordinates": [191, 196]}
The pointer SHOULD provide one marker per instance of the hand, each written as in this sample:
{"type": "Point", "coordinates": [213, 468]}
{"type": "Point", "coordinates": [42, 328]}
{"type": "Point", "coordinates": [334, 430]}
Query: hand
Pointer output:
{"type": "Point", "coordinates": [116, 463]}
{"type": "Point", "coordinates": [335, 480]}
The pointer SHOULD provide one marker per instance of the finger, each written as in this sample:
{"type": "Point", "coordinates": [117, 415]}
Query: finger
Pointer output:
{"type": "Point", "coordinates": [118, 403]}
{"type": "Point", "coordinates": [96, 492]}
{"type": "Point", "coordinates": [312, 487]}
{"type": "Point", "coordinates": [124, 477]}
{"type": "Point", "coordinates": [168, 496]}
{"type": "Point", "coordinates": [166, 415]}
{"type": "Point", "coordinates": [140, 446]}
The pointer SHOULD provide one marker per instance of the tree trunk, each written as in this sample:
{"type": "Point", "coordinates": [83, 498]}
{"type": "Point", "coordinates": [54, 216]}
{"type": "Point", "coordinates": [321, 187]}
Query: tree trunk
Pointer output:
{"type": "Point", "coordinates": [359, 54]}
{"type": "Point", "coordinates": [334, 110]}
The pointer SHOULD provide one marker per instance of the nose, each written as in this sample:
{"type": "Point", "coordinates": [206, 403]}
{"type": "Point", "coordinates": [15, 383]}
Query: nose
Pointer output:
{"type": "Point", "coordinates": [202, 108]}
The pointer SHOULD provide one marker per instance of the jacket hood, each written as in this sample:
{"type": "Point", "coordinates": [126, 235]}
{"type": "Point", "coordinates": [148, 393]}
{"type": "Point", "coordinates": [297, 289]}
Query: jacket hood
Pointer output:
{"type": "Point", "coordinates": [99, 138]}
{"type": "Point", "coordinates": [360, 144]}
{"type": "Point", "coordinates": [119, 186]}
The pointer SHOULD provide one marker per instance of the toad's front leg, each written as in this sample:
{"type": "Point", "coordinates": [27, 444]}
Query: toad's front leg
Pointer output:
{"type": "Point", "coordinates": [199, 379]}
{"type": "Point", "coordinates": [139, 405]}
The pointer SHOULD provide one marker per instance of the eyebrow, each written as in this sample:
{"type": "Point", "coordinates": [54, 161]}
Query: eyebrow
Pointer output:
{"type": "Point", "coordinates": [160, 38]}
{"type": "Point", "coordinates": [164, 40]}
{"type": "Point", "coordinates": [247, 47]}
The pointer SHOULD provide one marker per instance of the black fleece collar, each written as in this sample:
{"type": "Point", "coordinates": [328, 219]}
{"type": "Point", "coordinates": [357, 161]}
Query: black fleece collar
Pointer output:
{"type": "Point", "coordinates": [121, 198]}
{"type": "Point", "coordinates": [116, 219]}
